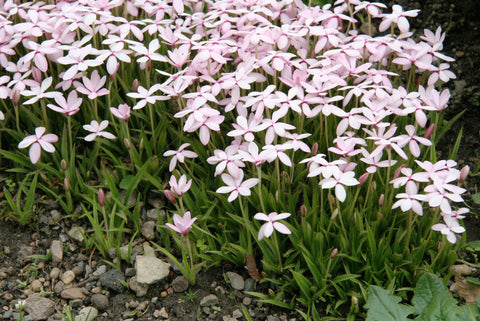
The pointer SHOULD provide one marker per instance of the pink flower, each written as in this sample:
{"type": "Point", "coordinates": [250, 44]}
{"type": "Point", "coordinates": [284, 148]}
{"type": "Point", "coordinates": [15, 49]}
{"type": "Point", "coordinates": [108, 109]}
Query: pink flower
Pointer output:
{"type": "Point", "coordinates": [92, 87]}
{"type": "Point", "coordinates": [70, 106]}
{"type": "Point", "coordinates": [38, 142]}
{"type": "Point", "coordinates": [182, 224]}
{"type": "Point", "coordinates": [272, 223]}
{"type": "Point", "coordinates": [449, 228]}
{"type": "Point", "coordinates": [122, 112]}
{"type": "Point", "coordinates": [338, 180]}
{"type": "Point", "coordinates": [235, 186]}
{"type": "Point", "coordinates": [97, 130]}
{"type": "Point", "coordinates": [180, 187]}
{"type": "Point", "coordinates": [179, 155]}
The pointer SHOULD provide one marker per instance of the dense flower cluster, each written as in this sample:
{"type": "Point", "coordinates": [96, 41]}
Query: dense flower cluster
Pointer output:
{"type": "Point", "coordinates": [256, 72]}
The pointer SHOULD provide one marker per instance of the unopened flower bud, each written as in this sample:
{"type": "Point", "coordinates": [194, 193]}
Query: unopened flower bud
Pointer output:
{"type": "Point", "coordinates": [429, 131]}
{"type": "Point", "coordinates": [440, 245]}
{"type": "Point", "coordinates": [333, 253]}
{"type": "Point", "coordinates": [363, 178]}
{"type": "Point", "coordinates": [398, 171]}
{"type": "Point", "coordinates": [66, 184]}
{"type": "Point", "coordinates": [381, 199]}
{"type": "Point", "coordinates": [63, 164]}
{"type": "Point", "coordinates": [135, 85]}
{"type": "Point", "coordinates": [37, 74]}
{"type": "Point", "coordinates": [314, 149]}
{"type": "Point", "coordinates": [285, 176]}
{"type": "Point", "coordinates": [331, 199]}
{"type": "Point", "coordinates": [127, 143]}
{"type": "Point", "coordinates": [169, 195]}
{"type": "Point", "coordinates": [303, 210]}
{"type": "Point", "coordinates": [15, 96]}
{"type": "Point", "coordinates": [141, 145]}
{"type": "Point", "coordinates": [464, 173]}
{"type": "Point", "coordinates": [354, 300]}
{"type": "Point", "coordinates": [101, 197]}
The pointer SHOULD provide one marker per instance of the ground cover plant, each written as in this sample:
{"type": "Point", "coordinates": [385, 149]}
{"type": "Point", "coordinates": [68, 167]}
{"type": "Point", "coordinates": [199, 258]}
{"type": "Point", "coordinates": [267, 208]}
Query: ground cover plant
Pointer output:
{"type": "Point", "coordinates": [298, 141]}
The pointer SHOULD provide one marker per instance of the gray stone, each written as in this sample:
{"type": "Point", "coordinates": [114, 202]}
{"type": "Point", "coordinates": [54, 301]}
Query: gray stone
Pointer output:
{"type": "Point", "coordinates": [237, 314]}
{"type": "Point", "coordinates": [209, 300]}
{"type": "Point", "coordinates": [24, 254]}
{"type": "Point", "coordinates": [101, 269]}
{"type": "Point", "coordinates": [76, 233]}
{"type": "Point", "coordinates": [150, 270]}
{"type": "Point", "coordinates": [87, 314]}
{"type": "Point", "coordinates": [36, 285]}
{"type": "Point", "coordinates": [72, 294]}
{"type": "Point", "coordinates": [76, 303]}
{"type": "Point", "coordinates": [56, 249]}
{"type": "Point", "coordinates": [99, 301]}
{"type": "Point", "coordinates": [180, 284]}
{"type": "Point", "coordinates": [139, 289]}
{"type": "Point", "coordinates": [249, 284]}
{"type": "Point", "coordinates": [148, 230]}
{"type": "Point", "coordinates": [68, 277]}
{"type": "Point", "coordinates": [39, 308]}
{"type": "Point", "coordinates": [236, 281]}
{"type": "Point", "coordinates": [55, 273]}
{"type": "Point", "coordinates": [272, 318]}
{"type": "Point", "coordinates": [113, 280]}
{"type": "Point", "coordinates": [129, 272]}
{"type": "Point", "coordinates": [59, 287]}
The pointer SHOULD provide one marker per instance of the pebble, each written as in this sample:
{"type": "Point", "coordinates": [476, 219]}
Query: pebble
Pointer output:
{"type": "Point", "coordinates": [38, 307]}
{"type": "Point", "coordinates": [113, 280]}
{"type": "Point", "coordinates": [236, 281]}
{"type": "Point", "coordinates": [55, 273]}
{"type": "Point", "coordinates": [101, 269]}
{"type": "Point", "coordinates": [150, 270]}
{"type": "Point", "coordinates": [99, 301]}
{"type": "Point", "coordinates": [36, 285]}
{"type": "Point", "coordinates": [72, 294]}
{"type": "Point", "coordinates": [180, 284]}
{"type": "Point", "coordinates": [59, 287]}
{"type": "Point", "coordinates": [76, 233]}
{"type": "Point", "coordinates": [246, 301]}
{"type": "Point", "coordinates": [272, 318]}
{"type": "Point", "coordinates": [237, 314]}
{"type": "Point", "coordinates": [148, 230]}
{"type": "Point", "coordinates": [56, 249]}
{"type": "Point", "coordinates": [209, 300]}
{"type": "Point", "coordinates": [87, 314]}
{"type": "Point", "coordinates": [249, 284]}
{"type": "Point", "coordinates": [162, 313]}
{"type": "Point", "coordinates": [139, 289]}
{"type": "Point", "coordinates": [76, 303]}
{"type": "Point", "coordinates": [68, 277]}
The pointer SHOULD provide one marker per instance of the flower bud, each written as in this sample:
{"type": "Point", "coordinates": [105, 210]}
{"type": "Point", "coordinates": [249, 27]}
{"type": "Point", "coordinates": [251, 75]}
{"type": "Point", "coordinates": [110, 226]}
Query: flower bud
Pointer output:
{"type": "Point", "coordinates": [381, 199]}
{"type": "Point", "coordinates": [303, 210]}
{"type": "Point", "coordinates": [169, 195]}
{"type": "Point", "coordinates": [429, 131]}
{"type": "Point", "coordinates": [464, 173]}
{"type": "Point", "coordinates": [37, 74]}
{"type": "Point", "coordinates": [66, 184]}
{"type": "Point", "coordinates": [101, 197]}
{"type": "Point", "coordinates": [314, 149]}
{"type": "Point", "coordinates": [331, 200]}
{"type": "Point", "coordinates": [135, 85]}
{"type": "Point", "coordinates": [15, 96]}
{"type": "Point", "coordinates": [63, 164]}
{"type": "Point", "coordinates": [333, 253]}
{"type": "Point", "coordinates": [398, 171]}
{"type": "Point", "coordinates": [363, 178]}
{"type": "Point", "coordinates": [354, 300]}
{"type": "Point", "coordinates": [127, 143]}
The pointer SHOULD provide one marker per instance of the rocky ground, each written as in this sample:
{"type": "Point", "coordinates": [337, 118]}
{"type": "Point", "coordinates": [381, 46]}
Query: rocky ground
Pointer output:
{"type": "Point", "coordinates": [81, 282]}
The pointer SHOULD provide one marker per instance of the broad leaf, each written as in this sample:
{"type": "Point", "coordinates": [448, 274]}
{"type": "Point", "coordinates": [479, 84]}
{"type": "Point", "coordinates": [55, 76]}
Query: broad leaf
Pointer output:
{"type": "Point", "coordinates": [383, 306]}
{"type": "Point", "coordinates": [442, 307]}
{"type": "Point", "coordinates": [428, 285]}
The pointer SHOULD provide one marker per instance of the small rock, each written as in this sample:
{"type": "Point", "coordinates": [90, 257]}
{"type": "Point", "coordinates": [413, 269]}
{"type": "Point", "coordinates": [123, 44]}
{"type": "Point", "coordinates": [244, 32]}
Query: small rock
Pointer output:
{"type": "Point", "coordinates": [76, 233]}
{"type": "Point", "coordinates": [79, 268]}
{"type": "Point", "coordinates": [113, 280]}
{"type": "Point", "coordinates": [180, 284]}
{"type": "Point", "coordinates": [139, 289]}
{"type": "Point", "coordinates": [24, 255]}
{"type": "Point", "coordinates": [55, 273]}
{"type": "Point", "coordinates": [460, 54]}
{"type": "Point", "coordinates": [68, 277]}
{"type": "Point", "coordinates": [249, 284]}
{"type": "Point", "coordinates": [59, 287]}
{"type": "Point", "coordinates": [209, 300]}
{"type": "Point", "coordinates": [237, 314]}
{"type": "Point", "coordinates": [246, 301]}
{"type": "Point", "coordinates": [39, 308]}
{"type": "Point", "coordinates": [150, 270]}
{"type": "Point", "coordinates": [112, 252]}
{"type": "Point", "coordinates": [76, 303]}
{"type": "Point", "coordinates": [101, 269]}
{"type": "Point", "coordinates": [272, 318]}
{"type": "Point", "coordinates": [72, 294]}
{"type": "Point", "coordinates": [148, 230]}
{"type": "Point", "coordinates": [129, 272]}
{"type": "Point", "coordinates": [228, 318]}
{"type": "Point", "coordinates": [87, 314]}
{"type": "Point", "coordinates": [36, 285]}
{"type": "Point", "coordinates": [99, 301]}
{"type": "Point", "coordinates": [56, 249]}
{"type": "Point", "coordinates": [164, 294]}
{"type": "Point", "coordinates": [236, 281]}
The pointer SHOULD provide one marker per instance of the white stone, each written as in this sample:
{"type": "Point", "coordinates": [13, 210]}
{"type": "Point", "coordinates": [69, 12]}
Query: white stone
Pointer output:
{"type": "Point", "coordinates": [87, 314]}
{"type": "Point", "coordinates": [68, 277]}
{"type": "Point", "coordinates": [150, 270]}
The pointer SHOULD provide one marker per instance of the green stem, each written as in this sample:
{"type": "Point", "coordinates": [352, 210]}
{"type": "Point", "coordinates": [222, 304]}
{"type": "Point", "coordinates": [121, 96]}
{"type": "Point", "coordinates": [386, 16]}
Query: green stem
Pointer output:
{"type": "Point", "coordinates": [259, 187]}
{"type": "Point", "coordinates": [279, 255]}
{"type": "Point", "coordinates": [247, 225]}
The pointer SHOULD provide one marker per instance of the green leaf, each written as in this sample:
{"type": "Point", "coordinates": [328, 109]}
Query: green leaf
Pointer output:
{"type": "Point", "coordinates": [383, 306]}
{"type": "Point", "coordinates": [470, 312]}
{"type": "Point", "coordinates": [427, 287]}
{"type": "Point", "coordinates": [126, 182]}
{"type": "Point", "coordinates": [442, 307]}
{"type": "Point", "coordinates": [476, 198]}
{"type": "Point", "coordinates": [473, 280]}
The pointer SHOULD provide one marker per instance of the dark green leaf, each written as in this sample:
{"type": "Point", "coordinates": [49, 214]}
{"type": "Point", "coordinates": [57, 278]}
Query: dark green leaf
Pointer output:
{"type": "Point", "coordinates": [383, 306]}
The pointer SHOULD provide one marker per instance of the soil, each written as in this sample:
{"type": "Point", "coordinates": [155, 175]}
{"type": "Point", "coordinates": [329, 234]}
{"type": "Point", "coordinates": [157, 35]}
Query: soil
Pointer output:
{"type": "Point", "coordinates": [457, 18]}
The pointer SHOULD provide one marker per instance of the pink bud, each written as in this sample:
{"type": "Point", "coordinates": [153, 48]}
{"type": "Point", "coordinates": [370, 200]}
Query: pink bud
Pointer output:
{"type": "Point", "coordinates": [127, 143]}
{"type": "Point", "coordinates": [135, 85]}
{"type": "Point", "coordinates": [429, 131]}
{"type": "Point", "coordinates": [303, 210]}
{"type": "Point", "coordinates": [37, 74]}
{"type": "Point", "coordinates": [169, 195]}
{"type": "Point", "coordinates": [63, 164]}
{"type": "Point", "coordinates": [399, 171]}
{"type": "Point", "coordinates": [101, 197]}
{"type": "Point", "coordinates": [66, 184]}
{"type": "Point", "coordinates": [333, 253]}
{"type": "Point", "coordinates": [381, 199]}
{"type": "Point", "coordinates": [314, 149]}
{"type": "Point", "coordinates": [15, 96]}
{"type": "Point", "coordinates": [464, 173]}
{"type": "Point", "coordinates": [363, 178]}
